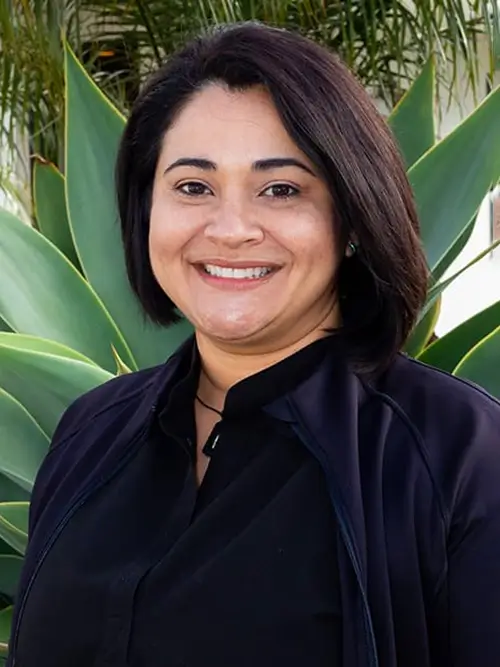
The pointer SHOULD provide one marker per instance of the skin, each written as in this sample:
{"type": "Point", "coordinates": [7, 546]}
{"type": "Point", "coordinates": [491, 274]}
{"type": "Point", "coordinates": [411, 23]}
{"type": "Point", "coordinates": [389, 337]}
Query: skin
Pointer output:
{"type": "Point", "coordinates": [229, 212]}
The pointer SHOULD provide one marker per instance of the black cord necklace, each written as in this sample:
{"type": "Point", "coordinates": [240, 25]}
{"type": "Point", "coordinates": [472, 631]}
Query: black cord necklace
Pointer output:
{"type": "Point", "coordinates": [208, 407]}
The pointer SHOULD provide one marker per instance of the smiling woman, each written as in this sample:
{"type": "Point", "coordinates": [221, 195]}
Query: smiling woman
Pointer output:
{"type": "Point", "coordinates": [260, 133]}
{"type": "Point", "coordinates": [288, 488]}
{"type": "Point", "coordinates": [241, 237]}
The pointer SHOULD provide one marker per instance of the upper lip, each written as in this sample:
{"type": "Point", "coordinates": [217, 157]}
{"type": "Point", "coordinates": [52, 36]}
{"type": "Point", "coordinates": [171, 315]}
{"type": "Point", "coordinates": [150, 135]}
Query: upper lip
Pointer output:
{"type": "Point", "coordinates": [238, 264]}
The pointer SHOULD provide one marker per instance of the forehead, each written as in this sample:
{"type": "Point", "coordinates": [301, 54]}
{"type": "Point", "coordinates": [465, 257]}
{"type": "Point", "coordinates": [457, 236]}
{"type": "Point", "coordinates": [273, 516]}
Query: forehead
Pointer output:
{"type": "Point", "coordinates": [224, 124]}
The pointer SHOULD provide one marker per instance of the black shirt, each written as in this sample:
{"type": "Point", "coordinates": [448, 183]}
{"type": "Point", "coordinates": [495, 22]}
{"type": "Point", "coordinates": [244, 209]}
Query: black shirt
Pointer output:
{"type": "Point", "coordinates": [154, 572]}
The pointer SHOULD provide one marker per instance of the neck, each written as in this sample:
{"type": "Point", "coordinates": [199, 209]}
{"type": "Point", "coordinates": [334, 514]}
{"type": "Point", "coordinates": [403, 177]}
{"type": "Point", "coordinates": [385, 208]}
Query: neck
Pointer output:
{"type": "Point", "coordinates": [224, 365]}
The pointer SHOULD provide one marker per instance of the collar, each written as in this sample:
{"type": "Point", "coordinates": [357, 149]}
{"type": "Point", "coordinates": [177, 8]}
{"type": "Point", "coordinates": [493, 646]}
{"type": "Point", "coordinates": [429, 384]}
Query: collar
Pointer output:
{"type": "Point", "coordinates": [247, 396]}
{"type": "Point", "coordinates": [325, 405]}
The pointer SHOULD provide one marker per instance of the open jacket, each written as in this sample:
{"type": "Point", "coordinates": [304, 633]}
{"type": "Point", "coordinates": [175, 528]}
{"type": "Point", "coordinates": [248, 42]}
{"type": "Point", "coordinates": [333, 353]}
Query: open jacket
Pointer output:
{"type": "Point", "coordinates": [412, 463]}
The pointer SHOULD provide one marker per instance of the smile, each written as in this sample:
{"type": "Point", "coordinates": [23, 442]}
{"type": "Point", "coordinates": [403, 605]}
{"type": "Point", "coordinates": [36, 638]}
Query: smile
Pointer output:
{"type": "Point", "coordinates": [250, 273]}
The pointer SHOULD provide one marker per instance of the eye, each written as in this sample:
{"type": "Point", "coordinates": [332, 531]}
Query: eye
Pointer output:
{"type": "Point", "coordinates": [193, 189]}
{"type": "Point", "coordinates": [280, 191]}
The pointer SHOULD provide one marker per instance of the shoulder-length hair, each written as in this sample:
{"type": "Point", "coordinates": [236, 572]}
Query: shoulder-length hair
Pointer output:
{"type": "Point", "coordinates": [333, 121]}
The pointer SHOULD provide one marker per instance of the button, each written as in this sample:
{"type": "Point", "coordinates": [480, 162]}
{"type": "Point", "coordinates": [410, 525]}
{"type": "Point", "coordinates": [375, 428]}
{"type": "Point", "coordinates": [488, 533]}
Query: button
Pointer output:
{"type": "Point", "coordinates": [211, 443]}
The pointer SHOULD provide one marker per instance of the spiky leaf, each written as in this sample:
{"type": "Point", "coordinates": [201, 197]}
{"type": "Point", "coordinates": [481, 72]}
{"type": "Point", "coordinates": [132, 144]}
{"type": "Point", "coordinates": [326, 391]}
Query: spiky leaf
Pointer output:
{"type": "Point", "coordinates": [50, 208]}
{"type": "Point", "coordinates": [412, 119]}
{"type": "Point", "coordinates": [23, 444]}
{"type": "Point", "coordinates": [46, 384]}
{"type": "Point", "coordinates": [14, 525]}
{"type": "Point", "coordinates": [480, 364]}
{"type": "Point", "coordinates": [43, 295]}
{"type": "Point", "coordinates": [93, 131]}
{"type": "Point", "coordinates": [452, 179]}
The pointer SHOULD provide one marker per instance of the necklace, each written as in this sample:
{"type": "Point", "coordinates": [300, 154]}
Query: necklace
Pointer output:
{"type": "Point", "coordinates": [208, 407]}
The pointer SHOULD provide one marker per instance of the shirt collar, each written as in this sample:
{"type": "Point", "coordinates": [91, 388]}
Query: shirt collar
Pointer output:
{"type": "Point", "coordinates": [247, 396]}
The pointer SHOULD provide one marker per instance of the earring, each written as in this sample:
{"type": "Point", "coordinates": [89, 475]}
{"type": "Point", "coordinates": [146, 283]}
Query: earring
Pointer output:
{"type": "Point", "coordinates": [351, 249]}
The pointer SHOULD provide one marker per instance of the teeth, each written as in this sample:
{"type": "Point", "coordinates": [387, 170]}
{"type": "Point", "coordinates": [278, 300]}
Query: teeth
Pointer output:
{"type": "Point", "coordinates": [238, 274]}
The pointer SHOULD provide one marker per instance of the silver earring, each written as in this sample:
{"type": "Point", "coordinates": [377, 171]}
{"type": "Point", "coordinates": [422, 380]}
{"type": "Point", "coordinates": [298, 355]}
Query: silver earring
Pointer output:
{"type": "Point", "coordinates": [351, 249]}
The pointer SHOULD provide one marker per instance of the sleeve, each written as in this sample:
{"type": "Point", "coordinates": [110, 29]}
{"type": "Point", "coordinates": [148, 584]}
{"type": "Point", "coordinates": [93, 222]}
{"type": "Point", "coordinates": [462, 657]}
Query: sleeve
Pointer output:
{"type": "Point", "coordinates": [47, 473]}
{"type": "Point", "coordinates": [48, 477]}
{"type": "Point", "coordinates": [474, 552]}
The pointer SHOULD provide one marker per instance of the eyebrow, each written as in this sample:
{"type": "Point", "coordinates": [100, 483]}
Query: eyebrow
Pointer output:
{"type": "Point", "coordinates": [199, 163]}
{"type": "Point", "coordinates": [260, 165]}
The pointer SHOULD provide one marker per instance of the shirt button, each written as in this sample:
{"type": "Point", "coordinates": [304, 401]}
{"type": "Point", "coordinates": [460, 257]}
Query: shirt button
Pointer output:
{"type": "Point", "coordinates": [211, 443]}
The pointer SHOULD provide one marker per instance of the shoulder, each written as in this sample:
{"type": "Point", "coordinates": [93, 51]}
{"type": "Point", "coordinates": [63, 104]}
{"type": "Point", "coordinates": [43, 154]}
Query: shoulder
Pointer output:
{"type": "Point", "coordinates": [447, 412]}
{"type": "Point", "coordinates": [94, 432]}
{"type": "Point", "coordinates": [108, 416]}
{"type": "Point", "coordinates": [129, 397]}
{"type": "Point", "coordinates": [426, 393]}
{"type": "Point", "coordinates": [455, 426]}
{"type": "Point", "coordinates": [105, 418]}
{"type": "Point", "coordinates": [81, 427]}
{"type": "Point", "coordinates": [124, 391]}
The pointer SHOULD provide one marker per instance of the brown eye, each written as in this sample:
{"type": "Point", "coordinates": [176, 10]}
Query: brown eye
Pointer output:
{"type": "Point", "coordinates": [280, 191]}
{"type": "Point", "coordinates": [194, 189]}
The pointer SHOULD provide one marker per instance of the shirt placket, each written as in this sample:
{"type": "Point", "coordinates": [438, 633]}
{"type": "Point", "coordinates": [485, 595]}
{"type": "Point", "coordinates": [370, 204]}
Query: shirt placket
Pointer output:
{"type": "Point", "coordinates": [121, 595]}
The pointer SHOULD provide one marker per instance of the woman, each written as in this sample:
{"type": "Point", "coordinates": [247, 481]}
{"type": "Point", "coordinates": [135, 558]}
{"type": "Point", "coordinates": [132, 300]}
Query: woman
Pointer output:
{"type": "Point", "coordinates": [287, 489]}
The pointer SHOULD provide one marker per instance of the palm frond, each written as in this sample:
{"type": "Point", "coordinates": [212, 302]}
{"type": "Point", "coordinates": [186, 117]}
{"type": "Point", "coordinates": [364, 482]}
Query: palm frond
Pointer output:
{"type": "Point", "coordinates": [384, 41]}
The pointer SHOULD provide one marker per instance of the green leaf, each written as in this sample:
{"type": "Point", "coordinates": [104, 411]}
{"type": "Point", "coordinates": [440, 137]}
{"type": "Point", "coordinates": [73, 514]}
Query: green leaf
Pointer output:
{"type": "Point", "coordinates": [6, 616]}
{"type": "Point", "coordinates": [121, 368]}
{"type": "Point", "coordinates": [44, 295]}
{"type": "Point", "coordinates": [454, 251]}
{"type": "Point", "coordinates": [423, 331]}
{"type": "Point", "coordinates": [412, 119]}
{"type": "Point", "coordinates": [10, 571]}
{"type": "Point", "coordinates": [446, 352]}
{"type": "Point", "coordinates": [36, 344]}
{"type": "Point", "coordinates": [4, 326]}
{"type": "Point", "coordinates": [452, 179]}
{"type": "Point", "coordinates": [46, 384]}
{"type": "Point", "coordinates": [480, 365]}
{"type": "Point", "coordinates": [14, 525]}
{"type": "Point", "coordinates": [50, 208]}
{"type": "Point", "coordinates": [436, 290]}
{"type": "Point", "coordinates": [93, 130]}
{"type": "Point", "coordinates": [5, 549]}
{"type": "Point", "coordinates": [11, 491]}
{"type": "Point", "coordinates": [23, 444]}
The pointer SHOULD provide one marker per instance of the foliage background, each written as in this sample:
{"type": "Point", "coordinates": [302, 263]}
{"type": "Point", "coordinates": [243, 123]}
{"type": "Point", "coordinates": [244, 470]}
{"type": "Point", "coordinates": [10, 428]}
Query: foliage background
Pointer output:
{"type": "Point", "coordinates": [386, 42]}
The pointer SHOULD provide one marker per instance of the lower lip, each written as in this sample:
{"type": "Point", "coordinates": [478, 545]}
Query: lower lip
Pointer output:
{"type": "Point", "coordinates": [235, 283]}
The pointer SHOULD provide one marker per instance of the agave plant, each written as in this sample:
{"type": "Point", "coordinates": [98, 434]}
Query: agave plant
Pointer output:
{"type": "Point", "coordinates": [72, 321]}
{"type": "Point", "coordinates": [384, 41]}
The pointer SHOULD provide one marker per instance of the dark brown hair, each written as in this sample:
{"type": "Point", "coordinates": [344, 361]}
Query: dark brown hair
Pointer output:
{"type": "Point", "coordinates": [333, 121]}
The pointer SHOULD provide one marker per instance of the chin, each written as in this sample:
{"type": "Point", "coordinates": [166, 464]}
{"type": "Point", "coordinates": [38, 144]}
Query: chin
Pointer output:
{"type": "Point", "coordinates": [233, 334]}
{"type": "Point", "coordinates": [232, 330]}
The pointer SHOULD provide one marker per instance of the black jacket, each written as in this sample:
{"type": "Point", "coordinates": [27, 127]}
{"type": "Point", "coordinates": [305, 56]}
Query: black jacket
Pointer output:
{"type": "Point", "coordinates": [413, 467]}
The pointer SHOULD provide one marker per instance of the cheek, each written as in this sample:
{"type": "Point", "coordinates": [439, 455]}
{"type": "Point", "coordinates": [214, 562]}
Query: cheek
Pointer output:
{"type": "Point", "coordinates": [316, 251]}
{"type": "Point", "coordinates": [165, 238]}
{"type": "Point", "coordinates": [323, 240]}
{"type": "Point", "coordinates": [158, 239]}
{"type": "Point", "coordinates": [162, 244]}
{"type": "Point", "coordinates": [311, 240]}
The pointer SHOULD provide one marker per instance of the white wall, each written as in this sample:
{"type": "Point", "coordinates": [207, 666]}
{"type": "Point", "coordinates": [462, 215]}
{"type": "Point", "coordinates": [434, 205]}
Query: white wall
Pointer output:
{"type": "Point", "coordinates": [14, 175]}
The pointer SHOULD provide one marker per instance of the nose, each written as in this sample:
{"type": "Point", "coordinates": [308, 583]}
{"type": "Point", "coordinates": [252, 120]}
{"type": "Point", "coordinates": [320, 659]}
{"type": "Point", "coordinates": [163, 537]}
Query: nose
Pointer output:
{"type": "Point", "coordinates": [234, 224]}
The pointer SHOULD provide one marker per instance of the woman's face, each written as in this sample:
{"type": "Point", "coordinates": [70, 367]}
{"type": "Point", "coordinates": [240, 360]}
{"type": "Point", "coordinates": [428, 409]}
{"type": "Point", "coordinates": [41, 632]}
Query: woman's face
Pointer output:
{"type": "Point", "coordinates": [241, 234]}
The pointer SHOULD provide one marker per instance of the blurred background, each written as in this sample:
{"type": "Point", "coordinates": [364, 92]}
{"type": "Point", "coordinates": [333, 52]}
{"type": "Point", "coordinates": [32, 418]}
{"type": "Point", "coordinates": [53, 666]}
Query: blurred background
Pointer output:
{"type": "Point", "coordinates": [385, 42]}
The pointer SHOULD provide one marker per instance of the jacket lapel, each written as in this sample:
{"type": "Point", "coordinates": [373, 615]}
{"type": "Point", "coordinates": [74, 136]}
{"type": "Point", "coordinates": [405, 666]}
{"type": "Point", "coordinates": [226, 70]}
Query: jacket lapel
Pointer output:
{"type": "Point", "coordinates": [325, 411]}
